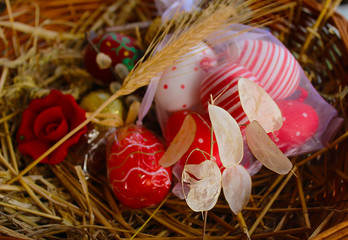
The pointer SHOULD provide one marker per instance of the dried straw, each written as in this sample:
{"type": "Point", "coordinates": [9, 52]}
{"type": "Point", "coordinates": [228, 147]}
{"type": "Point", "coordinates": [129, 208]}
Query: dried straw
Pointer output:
{"type": "Point", "coordinates": [214, 18]}
{"type": "Point", "coordinates": [67, 205]}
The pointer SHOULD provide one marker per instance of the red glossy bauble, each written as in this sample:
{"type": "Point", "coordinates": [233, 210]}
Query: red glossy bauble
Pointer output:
{"type": "Point", "coordinates": [135, 175]}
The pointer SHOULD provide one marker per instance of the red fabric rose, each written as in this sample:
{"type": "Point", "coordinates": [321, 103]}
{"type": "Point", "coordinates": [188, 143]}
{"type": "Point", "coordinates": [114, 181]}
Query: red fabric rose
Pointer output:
{"type": "Point", "coordinates": [46, 121]}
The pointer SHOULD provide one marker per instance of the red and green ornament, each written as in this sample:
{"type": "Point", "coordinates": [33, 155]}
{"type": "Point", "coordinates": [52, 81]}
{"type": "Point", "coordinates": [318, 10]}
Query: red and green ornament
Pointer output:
{"type": "Point", "coordinates": [134, 172]}
{"type": "Point", "coordinates": [108, 50]}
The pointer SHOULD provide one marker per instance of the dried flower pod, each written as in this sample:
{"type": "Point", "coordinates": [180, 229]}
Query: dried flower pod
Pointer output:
{"type": "Point", "coordinates": [221, 85]}
{"type": "Point", "coordinates": [258, 105]}
{"type": "Point", "coordinates": [204, 182]}
{"type": "Point", "coordinates": [265, 150]}
{"type": "Point", "coordinates": [201, 143]}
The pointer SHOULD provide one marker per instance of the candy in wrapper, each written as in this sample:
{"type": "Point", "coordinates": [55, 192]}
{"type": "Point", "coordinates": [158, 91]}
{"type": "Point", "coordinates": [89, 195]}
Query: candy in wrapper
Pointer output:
{"type": "Point", "coordinates": [90, 151]}
{"type": "Point", "coordinates": [134, 173]}
{"type": "Point", "coordinates": [276, 70]}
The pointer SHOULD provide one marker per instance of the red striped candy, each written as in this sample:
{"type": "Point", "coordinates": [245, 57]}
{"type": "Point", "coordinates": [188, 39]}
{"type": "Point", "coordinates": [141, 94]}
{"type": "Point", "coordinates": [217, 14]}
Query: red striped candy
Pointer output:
{"type": "Point", "coordinates": [222, 85]}
{"type": "Point", "coordinates": [275, 67]}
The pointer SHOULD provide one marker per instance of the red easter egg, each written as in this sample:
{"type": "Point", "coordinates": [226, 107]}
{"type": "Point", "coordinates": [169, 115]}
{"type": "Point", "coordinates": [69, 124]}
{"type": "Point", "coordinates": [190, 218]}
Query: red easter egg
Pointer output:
{"type": "Point", "coordinates": [274, 66]}
{"type": "Point", "coordinates": [300, 122]}
{"type": "Point", "coordinates": [120, 48]}
{"type": "Point", "coordinates": [222, 85]}
{"type": "Point", "coordinates": [135, 175]}
{"type": "Point", "coordinates": [202, 139]}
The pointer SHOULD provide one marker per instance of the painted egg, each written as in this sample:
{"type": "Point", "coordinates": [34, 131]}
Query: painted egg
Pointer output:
{"type": "Point", "coordinates": [300, 122]}
{"type": "Point", "coordinates": [115, 48]}
{"type": "Point", "coordinates": [222, 85]}
{"type": "Point", "coordinates": [199, 150]}
{"type": "Point", "coordinates": [274, 65]}
{"type": "Point", "coordinates": [135, 175]}
{"type": "Point", "coordinates": [178, 87]}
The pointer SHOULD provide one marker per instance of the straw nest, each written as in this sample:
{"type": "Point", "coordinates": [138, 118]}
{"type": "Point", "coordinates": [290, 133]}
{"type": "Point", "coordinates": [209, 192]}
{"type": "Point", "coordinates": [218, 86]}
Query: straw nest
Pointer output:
{"type": "Point", "coordinates": [41, 49]}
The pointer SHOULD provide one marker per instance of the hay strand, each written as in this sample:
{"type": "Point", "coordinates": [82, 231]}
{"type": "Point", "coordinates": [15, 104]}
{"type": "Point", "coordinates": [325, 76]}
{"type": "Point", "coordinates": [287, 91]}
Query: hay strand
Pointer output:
{"type": "Point", "coordinates": [41, 54]}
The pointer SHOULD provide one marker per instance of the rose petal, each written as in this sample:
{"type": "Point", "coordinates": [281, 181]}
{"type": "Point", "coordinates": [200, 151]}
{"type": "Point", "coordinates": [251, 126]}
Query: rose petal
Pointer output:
{"type": "Point", "coordinates": [73, 113]}
{"type": "Point", "coordinates": [50, 125]}
{"type": "Point", "coordinates": [181, 142]}
{"type": "Point", "coordinates": [34, 148]}
{"type": "Point", "coordinates": [265, 150]}
{"type": "Point", "coordinates": [40, 104]}
{"type": "Point", "coordinates": [25, 131]}
{"type": "Point", "coordinates": [259, 106]}
{"type": "Point", "coordinates": [236, 184]}
{"type": "Point", "coordinates": [228, 136]}
{"type": "Point", "coordinates": [60, 153]}
{"type": "Point", "coordinates": [204, 182]}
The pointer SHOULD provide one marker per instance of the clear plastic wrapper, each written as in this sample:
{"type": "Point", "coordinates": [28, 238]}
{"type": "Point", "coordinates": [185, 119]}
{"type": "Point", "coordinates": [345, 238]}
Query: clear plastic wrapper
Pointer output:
{"type": "Point", "coordinates": [91, 151]}
{"type": "Point", "coordinates": [296, 90]}
{"type": "Point", "coordinates": [309, 122]}
{"type": "Point", "coordinates": [291, 87]}
{"type": "Point", "coordinates": [167, 8]}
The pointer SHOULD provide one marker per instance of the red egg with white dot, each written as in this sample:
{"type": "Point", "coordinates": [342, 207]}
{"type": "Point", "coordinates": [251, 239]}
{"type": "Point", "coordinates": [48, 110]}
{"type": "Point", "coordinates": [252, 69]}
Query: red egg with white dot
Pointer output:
{"type": "Point", "coordinates": [274, 65]}
{"type": "Point", "coordinates": [300, 123]}
{"type": "Point", "coordinates": [222, 86]}
{"type": "Point", "coordinates": [179, 84]}
{"type": "Point", "coordinates": [199, 150]}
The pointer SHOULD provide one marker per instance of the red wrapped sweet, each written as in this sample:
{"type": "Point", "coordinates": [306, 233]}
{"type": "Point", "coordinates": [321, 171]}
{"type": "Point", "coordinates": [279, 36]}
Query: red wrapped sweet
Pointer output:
{"type": "Point", "coordinates": [135, 175]}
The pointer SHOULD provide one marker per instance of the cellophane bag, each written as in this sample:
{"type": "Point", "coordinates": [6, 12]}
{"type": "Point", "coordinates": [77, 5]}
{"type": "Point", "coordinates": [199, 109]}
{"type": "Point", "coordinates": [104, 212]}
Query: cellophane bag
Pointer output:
{"type": "Point", "coordinates": [309, 122]}
{"type": "Point", "coordinates": [211, 71]}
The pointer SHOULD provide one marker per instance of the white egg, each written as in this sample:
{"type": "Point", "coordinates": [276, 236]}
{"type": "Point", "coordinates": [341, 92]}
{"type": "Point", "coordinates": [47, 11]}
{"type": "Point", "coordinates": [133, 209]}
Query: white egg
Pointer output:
{"type": "Point", "coordinates": [178, 87]}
